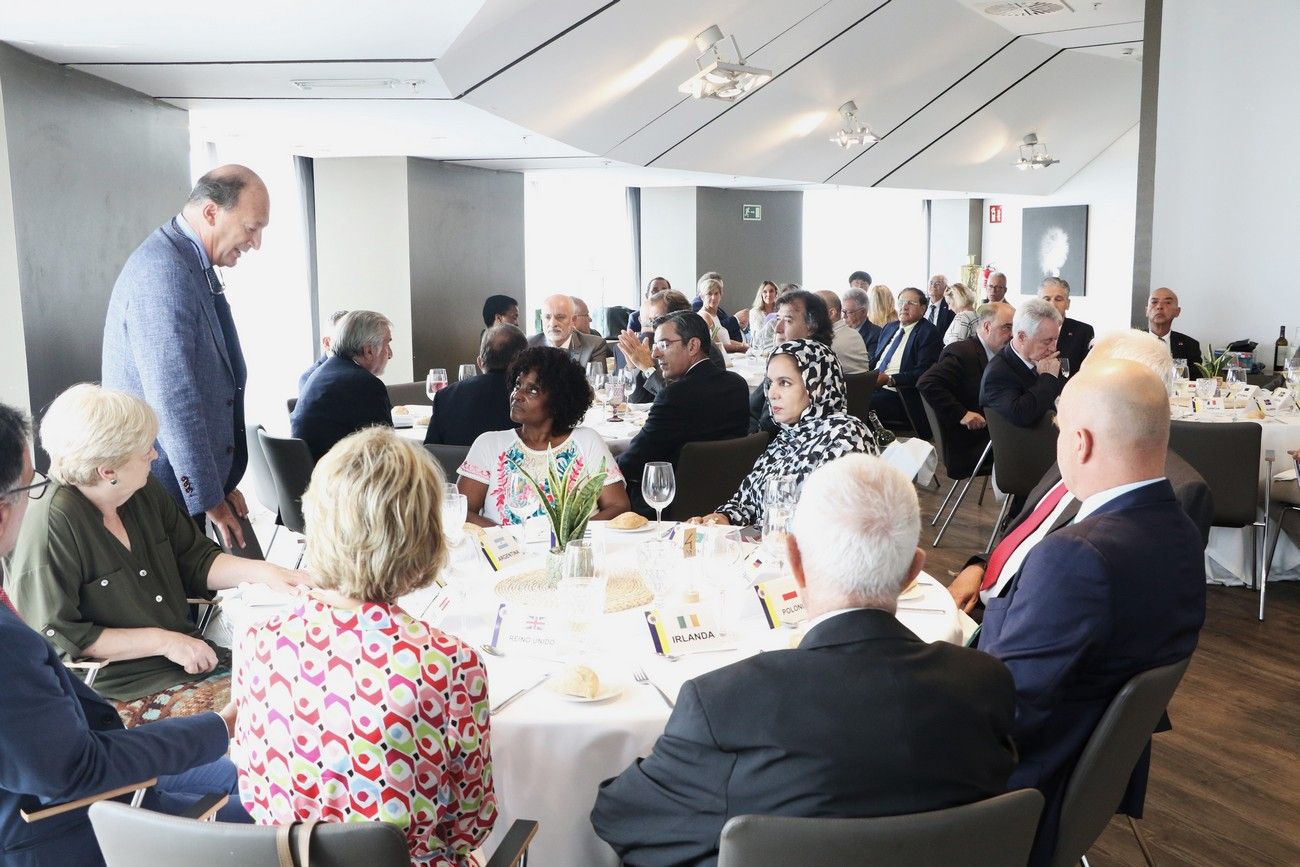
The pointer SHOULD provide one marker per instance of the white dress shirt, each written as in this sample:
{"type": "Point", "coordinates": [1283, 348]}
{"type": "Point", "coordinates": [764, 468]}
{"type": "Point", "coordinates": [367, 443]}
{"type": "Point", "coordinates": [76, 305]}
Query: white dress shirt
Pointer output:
{"type": "Point", "coordinates": [1017, 558]}
{"type": "Point", "coordinates": [896, 360]}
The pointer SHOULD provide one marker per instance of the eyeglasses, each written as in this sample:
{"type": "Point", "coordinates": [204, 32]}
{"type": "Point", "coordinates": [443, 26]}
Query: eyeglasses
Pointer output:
{"type": "Point", "coordinates": [662, 345]}
{"type": "Point", "coordinates": [36, 489]}
{"type": "Point", "coordinates": [902, 304]}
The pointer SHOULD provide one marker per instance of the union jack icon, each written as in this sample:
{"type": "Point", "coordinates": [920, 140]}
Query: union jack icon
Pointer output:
{"type": "Point", "coordinates": [535, 623]}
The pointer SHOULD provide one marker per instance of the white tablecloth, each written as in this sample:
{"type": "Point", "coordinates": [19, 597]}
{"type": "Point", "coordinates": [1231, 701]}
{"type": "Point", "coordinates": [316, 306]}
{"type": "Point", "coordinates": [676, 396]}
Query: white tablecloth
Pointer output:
{"type": "Point", "coordinates": [549, 754]}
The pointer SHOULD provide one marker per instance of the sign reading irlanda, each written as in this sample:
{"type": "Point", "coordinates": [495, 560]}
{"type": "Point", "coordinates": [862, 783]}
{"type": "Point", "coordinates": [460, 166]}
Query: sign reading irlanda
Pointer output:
{"type": "Point", "coordinates": [687, 630]}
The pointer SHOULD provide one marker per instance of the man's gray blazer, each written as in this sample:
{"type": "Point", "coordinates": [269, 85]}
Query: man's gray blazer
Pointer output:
{"type": "Point", "coordinates": [591, 347]}
{"type": "Point", "coordinates": [163, 342]}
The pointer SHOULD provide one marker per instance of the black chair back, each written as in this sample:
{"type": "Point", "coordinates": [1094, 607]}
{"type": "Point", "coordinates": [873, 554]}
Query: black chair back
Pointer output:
{"type": "Point", "coordinates": [997, 832]}
{"type": "Point", "coordinates": [1101, 775]}
{"type": "Point", "coordinates": [408, 393]}
{"type": "Point", "coordinates": [708, 473]}
{"type": "Point", "coordinates": [290, 463]}
{"type": "Point", "coordinates": [263, 484]}
{"type": "Point", "coordinates": [1021, 455]}
{"type": "Point", "coordinates": [859, 387]}
{"type": "Point", "coordinates": [616, 319]}
{"type": "Point", "coordinates": [1227, 456]}
{"type": "Point", "coordinates": [955, 465]}
{"type": "Point", "coordinates": [448, 457]}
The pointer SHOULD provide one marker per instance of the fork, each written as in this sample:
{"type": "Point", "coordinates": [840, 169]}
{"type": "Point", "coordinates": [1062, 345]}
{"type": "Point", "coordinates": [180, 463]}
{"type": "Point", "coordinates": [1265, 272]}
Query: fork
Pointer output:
{"type": "Point", "coordinates": [640, 677]}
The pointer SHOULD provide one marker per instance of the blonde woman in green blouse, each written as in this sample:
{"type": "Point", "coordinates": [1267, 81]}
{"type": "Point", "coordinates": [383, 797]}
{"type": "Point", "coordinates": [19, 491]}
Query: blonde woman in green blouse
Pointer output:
{"type": "Point", "coordinates": [106, 560]}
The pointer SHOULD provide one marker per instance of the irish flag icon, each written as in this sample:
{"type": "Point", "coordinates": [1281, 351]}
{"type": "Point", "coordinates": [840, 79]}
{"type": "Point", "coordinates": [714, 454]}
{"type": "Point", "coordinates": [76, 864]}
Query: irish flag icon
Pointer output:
{"type": "Point", "coordinates": [688, 621]}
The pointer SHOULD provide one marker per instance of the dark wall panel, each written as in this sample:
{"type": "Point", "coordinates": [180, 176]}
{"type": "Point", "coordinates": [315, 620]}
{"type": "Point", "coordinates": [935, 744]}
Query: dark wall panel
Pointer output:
{"type": "Point", "coordinates": [746, 252]}
{"type": "Point", "coordinates": [467, 242]}
{"type": "Point", "coordinates": [94, 167]}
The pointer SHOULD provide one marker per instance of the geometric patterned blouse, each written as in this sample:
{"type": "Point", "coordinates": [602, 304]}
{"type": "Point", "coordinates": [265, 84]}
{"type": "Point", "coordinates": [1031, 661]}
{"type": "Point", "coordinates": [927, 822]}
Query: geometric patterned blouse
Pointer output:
{"type": "Point", "coordinates": [367, 714]}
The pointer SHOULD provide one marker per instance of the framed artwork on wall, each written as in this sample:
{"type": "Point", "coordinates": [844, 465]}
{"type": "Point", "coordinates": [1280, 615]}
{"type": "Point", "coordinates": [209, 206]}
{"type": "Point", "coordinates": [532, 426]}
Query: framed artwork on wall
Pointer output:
{"type": "Point", "coordinates": [1054, 243]}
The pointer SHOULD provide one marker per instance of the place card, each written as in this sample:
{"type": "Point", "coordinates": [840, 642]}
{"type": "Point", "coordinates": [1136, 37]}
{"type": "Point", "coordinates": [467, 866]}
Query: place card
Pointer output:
{"type": "Point", "coordinates": [526, 632]}
{"type": "Point", "coordinates": [436, 611]}
{"type": "Point", "coordinates": [780, 601]}
{"type": "Point", "coordinates": [500, 547]}
{"type": "Point", "coordinates": [686, 536]}
{"type": "Point", "coordinates": [684, 630]}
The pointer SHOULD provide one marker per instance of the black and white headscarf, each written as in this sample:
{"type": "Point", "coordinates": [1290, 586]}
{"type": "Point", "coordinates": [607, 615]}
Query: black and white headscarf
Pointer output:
{"type": "Point", "coordinates": [824, 432]}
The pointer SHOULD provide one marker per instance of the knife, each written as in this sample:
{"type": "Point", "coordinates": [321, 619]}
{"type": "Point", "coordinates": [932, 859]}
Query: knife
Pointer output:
{"type": "Point", "coordinates": [504, 704]}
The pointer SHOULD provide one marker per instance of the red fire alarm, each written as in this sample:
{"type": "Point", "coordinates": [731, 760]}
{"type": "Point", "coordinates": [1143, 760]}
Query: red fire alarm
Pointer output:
{"type": "Point", "coordinates": [995, 213]}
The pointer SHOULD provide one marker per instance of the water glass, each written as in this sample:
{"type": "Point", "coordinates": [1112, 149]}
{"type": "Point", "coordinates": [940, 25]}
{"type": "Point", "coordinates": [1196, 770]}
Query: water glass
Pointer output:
{"type": "Point", "coordinates": [659, 560]}
{"type": "Point", "coordinates": [1206, 388]}
{"type": "Point", "coordinates": [579, 559]}
{"type": "Point", "coordinates": [658, 487]}
{"type": "Point", "coordinates": [615, 395]}
{"type": "Point", "coordinates": [466, 371]}
{"type": "Point", "coordinates": [1180, 369]}
{"type": "Point", "coordinates": [436, 381]}
{"type": "Point", "coordinates": [581, 601]}
{"type": "Point", "coordinates": [454, 506]}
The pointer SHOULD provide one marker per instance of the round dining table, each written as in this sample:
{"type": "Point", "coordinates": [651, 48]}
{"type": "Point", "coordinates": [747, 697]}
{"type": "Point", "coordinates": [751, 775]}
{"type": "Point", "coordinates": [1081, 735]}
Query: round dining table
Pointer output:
{"type": "Point", "coordinates": [549, 752]}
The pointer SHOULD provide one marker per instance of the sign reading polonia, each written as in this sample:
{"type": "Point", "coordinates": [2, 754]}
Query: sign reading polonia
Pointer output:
{"type": "Point", "coordinates": [686, 630]}
{"type": "Point", "coordinates": [780, 601]}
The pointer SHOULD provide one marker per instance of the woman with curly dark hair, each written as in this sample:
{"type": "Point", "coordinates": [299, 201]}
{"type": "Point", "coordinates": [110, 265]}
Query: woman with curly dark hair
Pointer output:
{"type": "Point", "coordinates": [548, 399]}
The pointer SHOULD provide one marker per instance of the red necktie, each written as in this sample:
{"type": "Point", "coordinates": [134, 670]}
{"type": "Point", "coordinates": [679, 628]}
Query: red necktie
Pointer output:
{"type": "Point", "coordinates": [4, 600]}
{"type": "Point", "coordinates": [1002, 553]}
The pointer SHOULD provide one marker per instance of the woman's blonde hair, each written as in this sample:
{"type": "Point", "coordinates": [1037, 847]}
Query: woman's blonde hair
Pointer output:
{"type": "Point", "coordinates": [707, 285]}
{"type": "Point", "coordinates": [374, 517]}
{"type": "Point", "coordinates": [960, 292]}
{"type": "Point", "coordinates": [880, 309]}
{"type": "Point", "coordinates": [88, 427]}
{"type": "Point", "coordinates": [758, 298]}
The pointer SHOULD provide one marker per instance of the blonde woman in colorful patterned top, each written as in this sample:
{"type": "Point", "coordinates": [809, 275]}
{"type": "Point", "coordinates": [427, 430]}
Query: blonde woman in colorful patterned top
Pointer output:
{"type": "Point", "coordinates": [350, 709]}
{"type": "Point", "coordinates": [548, 398]}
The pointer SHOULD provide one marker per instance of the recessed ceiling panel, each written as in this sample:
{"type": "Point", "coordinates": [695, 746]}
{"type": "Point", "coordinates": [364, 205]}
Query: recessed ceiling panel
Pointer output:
{"type": "Point", "coordinates": [275, 80]}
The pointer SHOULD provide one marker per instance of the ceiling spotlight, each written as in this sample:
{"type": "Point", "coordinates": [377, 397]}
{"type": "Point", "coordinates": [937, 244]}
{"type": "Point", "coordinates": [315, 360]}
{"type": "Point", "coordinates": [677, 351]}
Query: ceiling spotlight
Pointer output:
{"type": "Point", "coordinates": [1033, 154]}
{"type": "Point", "coordinates": [852, 132]}
{"type": "Point", "coordinates": [721, 77]}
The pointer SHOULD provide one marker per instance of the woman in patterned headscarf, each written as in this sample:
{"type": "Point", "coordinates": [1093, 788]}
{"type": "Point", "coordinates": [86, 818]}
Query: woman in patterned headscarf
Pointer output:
{"type": "Point", "coordinates": [805, 388]}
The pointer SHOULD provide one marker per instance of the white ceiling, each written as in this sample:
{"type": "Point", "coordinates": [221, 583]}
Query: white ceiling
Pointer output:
{"type": "Point", "coordinates": [573, 84]}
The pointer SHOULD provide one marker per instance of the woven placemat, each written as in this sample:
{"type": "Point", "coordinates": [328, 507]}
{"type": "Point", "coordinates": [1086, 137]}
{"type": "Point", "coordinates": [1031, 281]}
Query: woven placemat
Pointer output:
{"type": "Point", "coordinates": [624, 590]}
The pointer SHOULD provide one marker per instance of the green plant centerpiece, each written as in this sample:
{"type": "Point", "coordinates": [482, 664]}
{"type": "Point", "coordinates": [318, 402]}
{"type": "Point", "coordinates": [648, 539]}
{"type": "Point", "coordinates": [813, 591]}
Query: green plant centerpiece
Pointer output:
{"type": "Point", "coordinates": [568, 499]}
{"type": "Point", "coordinates": [1212, 368]}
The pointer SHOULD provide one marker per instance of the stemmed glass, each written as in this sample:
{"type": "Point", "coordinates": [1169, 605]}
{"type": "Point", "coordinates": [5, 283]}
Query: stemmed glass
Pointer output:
{"type": "Point", "coordinates": [454, 507]}
{"type": "Point", "coordinates": [466, 371]}
{"type": "Point", "coordinates": [1291, 370]}
{"type": "Point", "coordinates": [435, 382]}
{"type": "Point", "coordinates": [655, 558]}
{"type": "Point", "coordinates": [615, 395]}
{"type": "Point", "coordinates": [1234, 378]}
{"type": "Point", "coordinates": [658, 487]}
{"type": "Point", "coordinates": [778, 508]}
{"type": "Point", "coordinates": [1181, 372]}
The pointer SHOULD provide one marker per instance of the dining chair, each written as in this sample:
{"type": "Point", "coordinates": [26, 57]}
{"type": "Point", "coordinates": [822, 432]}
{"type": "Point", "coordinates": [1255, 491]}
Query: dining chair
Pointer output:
{"type": "Point", "coordinates": [291, 403]}
{"type": "Point", "coordinates": [202, 810]}
{"type": "Point", "coordinates": [408, 393]}
{"type": "Point", "coordinates": [956, 467]}
{"type": "Point", "coordinates": [1287, 495]}
{"type": "Point", "coordinates": [290, 464]}
{"type": "Point", "coordinates": [1021, 457]}
{"type": "Point", "coordinates": [263, 484]}
{"type": "Point", "coordinates": [709, 472]}
{"type": "Point", "coordinates": [858, 388]}
{"type": "Point", "coordinates": [449, 458]}
{"type": "Point", "coordinates": [995, 832]}
{"type": "Point", "coordinates": [1227, 455]}
{"type": "Point", "coordinates": [129, 838]}
{"type": "Point", "coordinates": [1101, 775]}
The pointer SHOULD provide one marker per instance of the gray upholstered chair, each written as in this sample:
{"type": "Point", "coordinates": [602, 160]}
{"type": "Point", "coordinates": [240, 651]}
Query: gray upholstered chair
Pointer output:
{"type": "Point", "coordinates": [708, 473]}
{"type": "Point", "coordinates": [129, 838]}
{"type": "Point", "coordinates": [290, 464]}
{"type": "Point", "coordinates": [1021, 457]}
{"type": "Point", "coordinates": [448, 457]}
{"type": "Point", "coordinates": [263, 484]}
{"type": "Point", "coordinates": [858, 389]}
{"type": "Point", "coordinates": [996, 832]}
{"type": "Point", "coordinates": [408, 393]}
{"type": "Point", "coordinates": [1101, 775]}
{"type": "Point", "coordinates": [954, 469]}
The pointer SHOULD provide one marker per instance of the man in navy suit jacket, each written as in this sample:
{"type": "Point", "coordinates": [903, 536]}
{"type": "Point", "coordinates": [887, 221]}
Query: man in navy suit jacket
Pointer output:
{"type": "Point", "coordinates": [1118, 591]}
{"type": "Point", "coordinates": [937, 312]}
{"type": "Point", "coordinates": [1162, 310]}
{"type": "Point", "coordinates": [59, 741]}
{"type": "Point", "coordinates": [481, 403]}
{"type": "Point", "coordinates": [905, 349]}
{"type": "Point", "coordinates": [861, 719]}
{"type": "Point", "coordinates": [170, 339]}
{"type": "Point", "coordinates": [1023, 381]}
{"type": "Point", "coordinates": [346, 393]}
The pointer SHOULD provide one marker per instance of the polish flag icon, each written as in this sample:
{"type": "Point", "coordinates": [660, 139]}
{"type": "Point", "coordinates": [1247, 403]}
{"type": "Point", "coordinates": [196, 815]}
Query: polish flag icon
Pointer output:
{"type": "Point", "coordinates": [790, 597]}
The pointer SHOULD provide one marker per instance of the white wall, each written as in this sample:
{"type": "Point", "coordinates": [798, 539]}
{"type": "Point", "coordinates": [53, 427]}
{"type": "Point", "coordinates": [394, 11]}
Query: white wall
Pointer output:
{"type": "Point", "coordinates": [1225, 224]}
{"type": "Point", "coordinates": [668, 222]}
{"type": "Point", "coordinates": [878, 231]}
{"type": "Point", "coordinates": [363, 245]}
{"type": "Point", "coordinates": [1108, 186]}
{"type": "Point", "coordinates": [13, 379]}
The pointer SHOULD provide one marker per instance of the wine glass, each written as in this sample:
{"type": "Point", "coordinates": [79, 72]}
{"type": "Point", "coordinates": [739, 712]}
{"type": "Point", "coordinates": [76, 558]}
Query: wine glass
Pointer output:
{"type": "Point", "coordinates": [1181, 372]}
{"type": "Point", "coordinates": [1234, 378]}
{"type": "Point", "coordinates": [658, 487]}
{"type": "Point", "coordinates": [595, 369]}
{"type": "Point", "coordinates": [656, 561]}
{"type": "Point", "coordinates": [599, 388]}
{"type": "Point", "coordinates": [436, 381]}
{"type": "Point", "coordinates": [466, 371]}
{"type": "Point", "coordinates": [454, 507]}
{"type": "Point", "coordinates": [1065, 367]}
{"type": "Point", "coordinates": [1291, 371]}
{"type": "Point", "coordinates": [779, 499]}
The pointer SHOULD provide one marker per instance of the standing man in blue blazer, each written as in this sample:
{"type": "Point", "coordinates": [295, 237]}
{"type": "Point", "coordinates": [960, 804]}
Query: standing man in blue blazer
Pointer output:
{"type": "Point", "coordinates": [59, 741]}
{"type": "Point", "coordinates": [170, 339]}
{"type": "Point", "coordinates": [1115, 592]}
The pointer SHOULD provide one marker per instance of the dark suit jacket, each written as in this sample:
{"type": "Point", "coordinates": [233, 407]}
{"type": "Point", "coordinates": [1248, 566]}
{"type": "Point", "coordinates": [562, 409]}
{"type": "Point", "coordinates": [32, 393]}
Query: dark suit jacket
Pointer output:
{"type": "Point", "coordinates": [1016, 391]}
{"type": "Point", "coordinates": [647, 387]}
{"type": "Point", "coordinates": [952, 387]}
{"type": "Point", "coordinates": [870, 332]}
{"type": "Point", "coordinates": [340, 398]}
{"type": "Point", "coordinates": [1094, 604]}
{"type": "Point", "coordinates": [306, 374]}
{"type": "Point", "coordinates": [1186, 348]}
{"type": "Point", "coordinates": [945, 315]}
{"type": "Point", "coordinates": [922, 350]}
{"type": "Point", "coordinates": [862, 719]}
{"type": "Point", "coordinates": [59, 741]}
{"type": "Point", "coordinates": [707, 403]}
{"type": "Point", "coordinates": [1073, 342]}
{"type": "Point", "coordinates": [470, 407]}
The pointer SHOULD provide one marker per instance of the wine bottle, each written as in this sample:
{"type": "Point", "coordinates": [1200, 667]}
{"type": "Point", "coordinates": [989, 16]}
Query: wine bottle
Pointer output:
{"type": "Point", "coordinates": [1281, 351]}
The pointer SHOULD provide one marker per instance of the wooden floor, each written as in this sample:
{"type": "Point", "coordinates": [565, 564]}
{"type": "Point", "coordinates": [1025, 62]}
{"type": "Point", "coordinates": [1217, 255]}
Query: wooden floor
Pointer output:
{"type": "Point", "coordinates": [1225, 783]}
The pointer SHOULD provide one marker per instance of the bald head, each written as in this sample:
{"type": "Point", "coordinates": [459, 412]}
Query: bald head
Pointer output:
{"type": "Point", "coordinates": [1162, 310]}
{"type": "Point", "coordinates": [1114, 427]}
{"type": "Point", "coordinates": [557, 319]}
{"type": "Point", "coordinates": [833, 305]}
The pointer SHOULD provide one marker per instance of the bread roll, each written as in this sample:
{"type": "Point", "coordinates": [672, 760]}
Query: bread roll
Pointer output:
{"type": "Point", "coordinates": [628, 521]}
{"type": "Point", "coordinates": [578, 680]}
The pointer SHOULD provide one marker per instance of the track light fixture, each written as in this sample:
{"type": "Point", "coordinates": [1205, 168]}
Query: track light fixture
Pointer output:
{"type": "Point", "coordinates": [1033, 154]}
{"type": "Point", "coordinates": [726, 78]}
{"type": "Point", "coordinates": [852, 132]}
